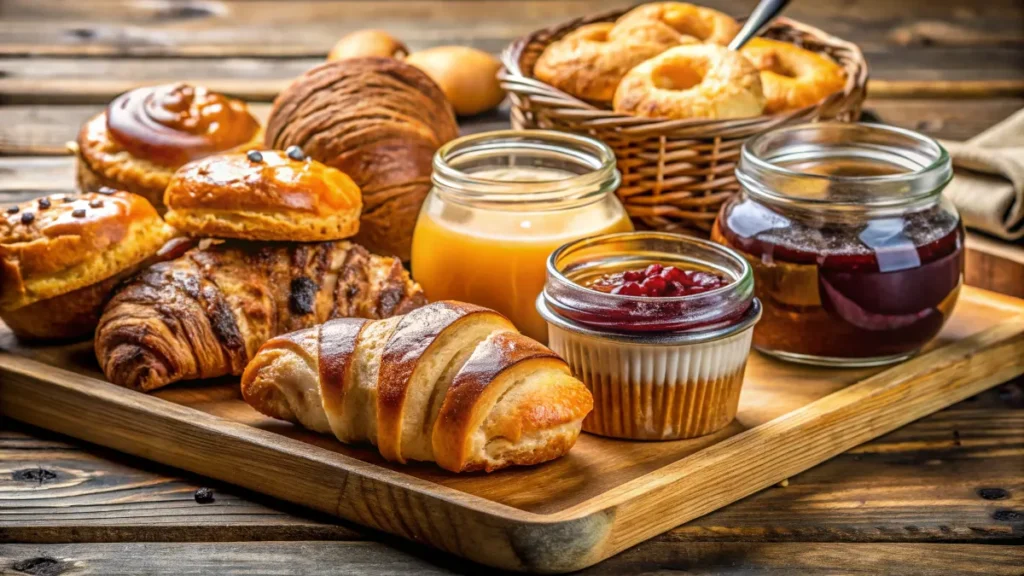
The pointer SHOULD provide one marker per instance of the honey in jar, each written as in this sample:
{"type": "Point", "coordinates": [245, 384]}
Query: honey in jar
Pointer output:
{"type": "Point", "coordinates": [502, 202]}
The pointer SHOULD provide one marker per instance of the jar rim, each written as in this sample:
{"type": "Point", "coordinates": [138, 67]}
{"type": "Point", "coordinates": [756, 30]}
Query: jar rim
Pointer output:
{"type": "Point", "coordinates": [693, 313]}
{"type": "Point", "coordinates": [600, 177]}
{"type": "Point", "coordinates": [761, 175]}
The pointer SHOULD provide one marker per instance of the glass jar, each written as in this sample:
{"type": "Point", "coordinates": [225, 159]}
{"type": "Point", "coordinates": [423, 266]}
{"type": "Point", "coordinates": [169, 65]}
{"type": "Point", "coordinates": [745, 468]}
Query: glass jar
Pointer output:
{"type": "Point", "coordinates": [858, 259]}
{"type": "Point", "coordinates": [659, 367]}
{"type": "Point", "coordinates": [501, 203]}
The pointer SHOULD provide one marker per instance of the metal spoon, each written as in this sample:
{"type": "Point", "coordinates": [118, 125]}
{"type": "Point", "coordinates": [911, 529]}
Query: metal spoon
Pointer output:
{"type": "Point", "coordinates": [763, 13]}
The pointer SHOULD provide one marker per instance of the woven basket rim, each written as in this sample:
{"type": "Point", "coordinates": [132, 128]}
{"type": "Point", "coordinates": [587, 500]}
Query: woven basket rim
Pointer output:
{"type": "Point", "coordinates": [514, 80]}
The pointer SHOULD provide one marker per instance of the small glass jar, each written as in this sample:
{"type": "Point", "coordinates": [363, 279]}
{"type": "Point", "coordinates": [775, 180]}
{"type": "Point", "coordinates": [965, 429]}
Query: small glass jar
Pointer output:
{"type": "Point", "coordinates": [857, 257]}
{"type": "Point", "coordinates": [659, 368]}
{"type": "Point", "coordinates": [501, 203]}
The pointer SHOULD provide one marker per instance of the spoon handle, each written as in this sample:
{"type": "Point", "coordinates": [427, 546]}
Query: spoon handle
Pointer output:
{"type": "Point", "coordinates": [763, 13]}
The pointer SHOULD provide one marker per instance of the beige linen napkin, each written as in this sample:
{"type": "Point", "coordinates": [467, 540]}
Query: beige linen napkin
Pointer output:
{"type": "Point", "coordinates": [988, 186]}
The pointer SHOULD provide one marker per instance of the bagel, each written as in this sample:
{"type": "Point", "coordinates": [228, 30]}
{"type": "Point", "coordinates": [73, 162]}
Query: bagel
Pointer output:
{"type": "Point", "coordinates": [791, 76]}
{"type": "Point", "coordinates": [693, 81]}
{"type": "Point", "coordinates": [590, 61]}
{"type": "Point", "coordinates": [704, 24]}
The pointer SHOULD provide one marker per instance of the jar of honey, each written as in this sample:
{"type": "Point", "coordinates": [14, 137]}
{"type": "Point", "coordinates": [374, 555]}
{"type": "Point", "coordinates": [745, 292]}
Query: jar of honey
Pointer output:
{"type": "Point", "coordinates": [501, 203]}
{"type": "Point", "coordinates": [857, 257]}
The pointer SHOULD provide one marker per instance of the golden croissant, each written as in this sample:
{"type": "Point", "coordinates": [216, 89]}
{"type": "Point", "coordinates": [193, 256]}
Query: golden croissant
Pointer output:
{"type": "Point", "coordinates": [449, 382]}
{"type": "Point", "coordinates": [206, 313]}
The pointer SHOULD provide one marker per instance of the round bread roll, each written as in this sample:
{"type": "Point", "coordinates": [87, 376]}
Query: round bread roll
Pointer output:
{"type": "Point", "coordinates": [61, 255]}
{"type": "Point", "coordinates": [791, 76]}
{"type": "Point", "coordinates": [697, 81]}
{"type": "Point", "coordinates": [263, 195]}
{"type": "Point", "coordinates": [703, 24]}
{"type": "Point", "coordinates": [380, 121]}
{"type": "Point", "coordinates": [590, 61]}
{"type": "Point", "coordinates": [146, 134]}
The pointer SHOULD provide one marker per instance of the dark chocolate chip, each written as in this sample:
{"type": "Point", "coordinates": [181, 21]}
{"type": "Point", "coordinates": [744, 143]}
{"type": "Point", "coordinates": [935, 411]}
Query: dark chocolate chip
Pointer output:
{"type": "Point", "coordinates": [78, 213]}
{"type": "Point", "coordinates": [295, 153]}
{"type": "Point", "coordinates": [44, 203]}
{"type": "Point", "coordinates": [97, 203]}
{"type": "Point", "coordinates": [303, 295]}
{"type": "Point", "coordinates": [13, 210]}
{"type": "Point", "coordinates": [993, 493]}
{"type": "Point", "coordinates": [27, 217]}
{"type": "Point", "coordinates": [69, 199]}
{"type": "Point", "coordinates": [255, 156]}
{"type": "Point", "coordinates": [204, 495]}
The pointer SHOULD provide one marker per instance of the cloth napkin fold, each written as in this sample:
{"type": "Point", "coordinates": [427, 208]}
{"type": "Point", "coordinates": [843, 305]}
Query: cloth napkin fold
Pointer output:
{"type": "Point", "coordinates": [988, 185]}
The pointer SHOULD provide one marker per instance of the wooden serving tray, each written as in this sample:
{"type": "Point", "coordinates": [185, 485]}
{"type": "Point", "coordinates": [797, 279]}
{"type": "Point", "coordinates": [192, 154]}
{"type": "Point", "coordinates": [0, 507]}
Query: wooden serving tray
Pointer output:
{"type": "Point", "coordinates": [605, 496]}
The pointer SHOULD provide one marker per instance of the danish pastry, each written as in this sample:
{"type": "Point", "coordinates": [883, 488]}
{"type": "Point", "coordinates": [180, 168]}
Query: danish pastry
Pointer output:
{"type": "Point", "coordinates": [61, 256]}
{"type": "Point", "coordinates": [695, 81]}
{"type": "Point", "coordinates": [791, 76]}
{"type": "Point", "coordinates": [263, 195]}
{"type": "Point", "coordinates": [146, 134]}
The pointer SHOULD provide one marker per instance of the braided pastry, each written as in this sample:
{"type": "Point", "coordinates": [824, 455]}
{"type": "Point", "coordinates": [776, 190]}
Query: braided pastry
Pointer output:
{"type": "Point", "coordinates": [206, 313]}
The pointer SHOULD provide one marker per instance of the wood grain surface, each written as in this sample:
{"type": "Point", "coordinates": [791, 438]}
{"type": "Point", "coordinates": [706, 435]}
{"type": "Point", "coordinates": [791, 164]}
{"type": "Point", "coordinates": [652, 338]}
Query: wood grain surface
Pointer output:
{"type": "Point", "coordinates": [949, 69]}
{"type": "Point", "coordinates": [603, 497]}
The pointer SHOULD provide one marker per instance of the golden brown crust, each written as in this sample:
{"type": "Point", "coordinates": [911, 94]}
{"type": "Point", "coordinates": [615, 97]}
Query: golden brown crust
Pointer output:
{"type": "Point", "coordinates": [704, 24]}
{"type": "Point", "coordinates": [205, 314]}
{"type": "Point", "coordinates": [695, 81]}
{"type": "Point", "coordinates": [792, 77]}
{"type": "Point", "coordinates": [103, 160]}
{"type": "Point", "coordinates": [590, 61]}
{"type": "Point", "coordinates": [272, 198]}
{"type": "Point", "coordinates": [378, 120]}
{"type": "Point", "coordinates": [61, 243]}
{"type": "Point", "coordinates": [409, 344]}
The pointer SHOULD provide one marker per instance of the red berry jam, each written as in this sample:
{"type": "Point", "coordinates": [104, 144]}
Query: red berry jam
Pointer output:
{"type": "Point", "coordinates": [878, 290]}
{"type": "Point", "coordinates": [657, 281]}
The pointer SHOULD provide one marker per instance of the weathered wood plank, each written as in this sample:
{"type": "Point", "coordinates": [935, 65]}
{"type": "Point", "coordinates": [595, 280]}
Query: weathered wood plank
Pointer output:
{"type": "Point", "coordinates": [120, 27]}
{"type": "Point", "coordinates": [43, 130]}
{"type": "Point", "coordinates": [949, 477]}
{"type": "Point", "coordinates": [369, 558]}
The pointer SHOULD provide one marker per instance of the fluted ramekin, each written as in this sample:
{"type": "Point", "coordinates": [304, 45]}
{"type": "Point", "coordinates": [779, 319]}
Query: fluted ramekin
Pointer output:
{"type": "Point", "coordinates": [658, 368]}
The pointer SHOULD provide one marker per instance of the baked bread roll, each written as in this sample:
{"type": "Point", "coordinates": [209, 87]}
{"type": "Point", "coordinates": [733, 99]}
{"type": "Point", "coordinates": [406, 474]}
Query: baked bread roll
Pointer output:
{"type": "Point", "coordinates": [705, 25]}
{"type": "Point", "coordinates": [450, 382]}
{"type": "Point", "coordinates": [696, 81]}
{"type": "Point", "coordinates": [61, 255]}
{"type": "Point", "coordinates": [206, 313]}
{"type": "Point", "coordinates": [379, 120]}
{"type": "Point", "coordinates": [589, 62]}
{"type": "Point", "coordinates": [263, 195]}
{"type": "Point", "coordinates": [146, 134]}
{"type": "Point", "coordinates": [792, 77]}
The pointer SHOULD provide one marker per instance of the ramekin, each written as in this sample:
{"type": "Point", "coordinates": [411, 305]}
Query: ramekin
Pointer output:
{"type": "Point", "coordinates": [658, 368]}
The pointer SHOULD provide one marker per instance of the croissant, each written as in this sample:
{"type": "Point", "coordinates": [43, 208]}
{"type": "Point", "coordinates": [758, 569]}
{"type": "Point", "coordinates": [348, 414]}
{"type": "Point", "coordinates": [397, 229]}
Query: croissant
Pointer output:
{"type": "Point", "coordinates": [450, 382]}
{"type": "Point", "coordinates": [206, 313]}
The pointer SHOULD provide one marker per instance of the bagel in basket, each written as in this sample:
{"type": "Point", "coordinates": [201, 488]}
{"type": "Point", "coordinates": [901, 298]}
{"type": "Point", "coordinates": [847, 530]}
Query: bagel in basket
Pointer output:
{"type": "Point", "coordinates": [702, 24]}
{"type": "Point", "coordinates": [792, 77]}
{"type": "Point", "coordinates": [695, 81]}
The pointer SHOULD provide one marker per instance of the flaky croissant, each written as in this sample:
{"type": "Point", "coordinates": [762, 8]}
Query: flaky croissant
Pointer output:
{"type": "Point", "coordinates": [450, 382]}
{"type": "Point", "coordinates": [206, 313]}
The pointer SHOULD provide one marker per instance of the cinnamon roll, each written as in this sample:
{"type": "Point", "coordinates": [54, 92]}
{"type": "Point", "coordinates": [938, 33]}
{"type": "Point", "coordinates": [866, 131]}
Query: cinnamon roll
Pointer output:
{"type": "Point", "coordinates": [146, 134]}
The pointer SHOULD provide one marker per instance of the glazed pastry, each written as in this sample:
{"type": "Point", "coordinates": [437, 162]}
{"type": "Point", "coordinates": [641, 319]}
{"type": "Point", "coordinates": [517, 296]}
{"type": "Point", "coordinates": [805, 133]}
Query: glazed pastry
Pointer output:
{"type": "Point", "coordinates": [704, 24]}
{"type": "Point", "coordinates": [450, 382]}
{"type": "Point", "coordinates": [792, 77]}
{"type": "Point", "coordinates": [263, 195]}
{"type": "Point", "coordinates": [206, 313]}
{"type": "Point", "coordinates": [146, 134]}
{"type": "Point", "coordinates": [379, 120]}
{"type": "Point", "coordinates": [590, 61]}
{"type": "Point", "coordinates": [696, 81]}
{"type": "Point", "coordinates": [61, 255]}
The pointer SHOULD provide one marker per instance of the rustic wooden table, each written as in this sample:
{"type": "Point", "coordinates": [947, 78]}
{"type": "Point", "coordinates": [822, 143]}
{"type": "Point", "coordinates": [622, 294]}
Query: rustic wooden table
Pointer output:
{"type": "Point", "coordinates": [944, 495]}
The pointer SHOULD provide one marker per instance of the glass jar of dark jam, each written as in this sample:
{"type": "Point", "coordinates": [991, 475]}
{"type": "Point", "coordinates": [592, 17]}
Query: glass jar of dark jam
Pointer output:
{"type": "Point", "coordinates": [857, 257]}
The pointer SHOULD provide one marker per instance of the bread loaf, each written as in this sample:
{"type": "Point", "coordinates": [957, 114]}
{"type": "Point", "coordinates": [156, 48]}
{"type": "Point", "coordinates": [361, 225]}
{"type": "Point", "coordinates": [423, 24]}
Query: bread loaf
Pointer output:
{"type": "Point", "coordinates": [380, 121]}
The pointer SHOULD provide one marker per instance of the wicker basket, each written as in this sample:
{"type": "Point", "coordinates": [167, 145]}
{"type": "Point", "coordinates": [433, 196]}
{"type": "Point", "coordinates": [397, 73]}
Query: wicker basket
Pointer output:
{"type": "Point", "coordinates": [675, 173]}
